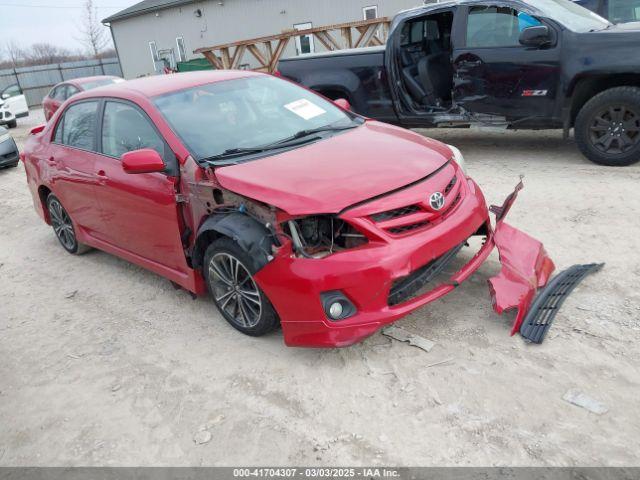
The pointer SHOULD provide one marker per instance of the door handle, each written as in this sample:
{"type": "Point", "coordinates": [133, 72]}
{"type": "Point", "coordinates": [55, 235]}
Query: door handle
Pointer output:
{"type": "Point", "coordinates": [52, 161]}
{"type": "Point", "coordinates": [102, 177]}
{"type": "Point", "coordinates": [101, 173]}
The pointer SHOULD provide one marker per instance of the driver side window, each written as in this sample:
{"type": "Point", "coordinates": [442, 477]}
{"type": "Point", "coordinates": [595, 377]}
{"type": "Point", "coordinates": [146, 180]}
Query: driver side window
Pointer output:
{"type": "Point", "coordinates": [125, 128]}
{"type": "Point", "coordinates": [489, 26]}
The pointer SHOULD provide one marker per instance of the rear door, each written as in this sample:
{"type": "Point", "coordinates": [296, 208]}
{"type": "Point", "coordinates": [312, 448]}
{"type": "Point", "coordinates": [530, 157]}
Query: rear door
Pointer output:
{"type": "Point", "coordinates": [139, 211]}
{"type": "Point", "coordinates": [71, 163]}
{"type": "Point", "coordinates": [495, 74]}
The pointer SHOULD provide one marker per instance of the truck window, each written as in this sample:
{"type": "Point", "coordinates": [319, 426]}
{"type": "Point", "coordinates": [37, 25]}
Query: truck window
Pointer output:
{"type": "Point", "coordinates": [496, 26]}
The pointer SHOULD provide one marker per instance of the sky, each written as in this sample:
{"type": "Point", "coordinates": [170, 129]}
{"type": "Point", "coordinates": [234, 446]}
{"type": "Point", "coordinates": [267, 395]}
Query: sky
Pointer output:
{"type": "Point", "coordinates": [51, 21]}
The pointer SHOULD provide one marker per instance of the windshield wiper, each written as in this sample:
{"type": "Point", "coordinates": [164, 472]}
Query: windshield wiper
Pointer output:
{"type": "Point", "coordinates": [305, 135]}
{"type": "Point", "coordinates": [237, 152]}
{"type": "Point", "coordinates": [311, 131]}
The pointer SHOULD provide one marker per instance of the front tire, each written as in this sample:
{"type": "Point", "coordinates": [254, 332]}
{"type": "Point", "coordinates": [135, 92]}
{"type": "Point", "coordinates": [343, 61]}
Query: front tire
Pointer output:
{"type": "Point", "coordinates": [228, 271]}
{"type": "Point", "coordinates": [12, 124]}
{"type": "Point", "coordinates": [63, 227]}
{"type": "Point", "coordinates": [607, 128]}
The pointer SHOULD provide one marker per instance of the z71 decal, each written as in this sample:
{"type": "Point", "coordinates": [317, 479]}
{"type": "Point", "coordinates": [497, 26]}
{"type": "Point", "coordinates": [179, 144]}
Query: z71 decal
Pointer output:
{"type": "Point", "coordinates": [534, 93]}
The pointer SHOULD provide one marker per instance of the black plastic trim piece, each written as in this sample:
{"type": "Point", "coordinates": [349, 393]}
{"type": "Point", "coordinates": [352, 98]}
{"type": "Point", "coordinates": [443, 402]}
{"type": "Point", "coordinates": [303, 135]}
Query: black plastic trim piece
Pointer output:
{"type": "Point", "coordinates": [548, 301]}
{"type": "Point", "coordinates": [404, 288]}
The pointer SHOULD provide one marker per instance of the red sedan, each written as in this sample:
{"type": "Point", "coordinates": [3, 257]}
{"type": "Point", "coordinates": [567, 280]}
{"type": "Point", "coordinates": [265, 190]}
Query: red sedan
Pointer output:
{"type": "Point", "coordinates": [62, 91]}
{"type": "Point", "coordinates": [288, 208]}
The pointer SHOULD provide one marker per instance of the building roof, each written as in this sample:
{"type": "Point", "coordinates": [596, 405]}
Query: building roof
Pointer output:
{"type": "Point", "coordinates": [145, 6]}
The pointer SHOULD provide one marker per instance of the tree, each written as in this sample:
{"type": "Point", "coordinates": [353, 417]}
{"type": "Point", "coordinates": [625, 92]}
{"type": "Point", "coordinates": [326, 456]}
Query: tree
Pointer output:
{"type": "Point", "coordinates": [44, 53]}
{"type": "Point", "coordinates": [14, 53]}
{"type": "Point", "coordinates": [94, 35]}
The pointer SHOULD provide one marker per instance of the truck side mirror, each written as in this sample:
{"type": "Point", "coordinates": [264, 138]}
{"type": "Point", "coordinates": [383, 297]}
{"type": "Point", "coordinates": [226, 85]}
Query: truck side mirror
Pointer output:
{"type": "Point", "coordinates": [535, 36]}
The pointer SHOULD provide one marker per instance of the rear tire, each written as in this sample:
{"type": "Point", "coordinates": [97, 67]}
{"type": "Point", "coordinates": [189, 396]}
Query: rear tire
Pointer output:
{"type": "Point", "coordinates": [607, 128]}
{"type": "Point", "coordinates": [12, 124]}
{"type": "Point", "coordinates": [229, 271]}
{"type": "Point", "coordinates": [63, 227]}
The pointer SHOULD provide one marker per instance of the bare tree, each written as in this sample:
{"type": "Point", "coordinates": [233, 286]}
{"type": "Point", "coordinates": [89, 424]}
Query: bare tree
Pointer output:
{"type": "Point", "coordinates": [15, 53]}
{"type": "Point", "coordinates": [43, 53]}
{"type": "Point", "coordinates": [94, 35]}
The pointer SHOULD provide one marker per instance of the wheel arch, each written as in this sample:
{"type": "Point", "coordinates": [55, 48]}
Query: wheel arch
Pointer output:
{"type": "Point", "coordinates": [586, 87]}
{"type": "Point", "coordinates": [253, 237]}
{"type": "Point", "coordinates": [43, 193]}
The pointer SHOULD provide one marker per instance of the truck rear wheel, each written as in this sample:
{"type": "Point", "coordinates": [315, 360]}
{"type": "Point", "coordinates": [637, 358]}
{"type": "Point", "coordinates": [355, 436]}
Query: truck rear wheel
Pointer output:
{"type": "Point", "coordinates": [607, 128]}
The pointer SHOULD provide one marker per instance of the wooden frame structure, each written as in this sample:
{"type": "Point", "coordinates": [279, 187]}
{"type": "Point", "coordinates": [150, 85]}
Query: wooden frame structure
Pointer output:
{"type": "Point", "coordinates": [268, 50]}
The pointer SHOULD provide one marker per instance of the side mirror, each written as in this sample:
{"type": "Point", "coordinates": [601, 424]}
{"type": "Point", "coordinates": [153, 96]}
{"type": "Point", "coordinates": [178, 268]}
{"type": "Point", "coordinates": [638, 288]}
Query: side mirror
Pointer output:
{"type": "Point", "coordinates": [343, 103]}
{"type": "Point", "coordinates": [535, 36]}
{"type": "Point", "coordinates": [144, 160]}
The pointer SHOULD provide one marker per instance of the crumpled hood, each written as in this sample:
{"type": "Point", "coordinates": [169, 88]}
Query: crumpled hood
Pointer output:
{"type": "Point", "coordinates": [331, 174]}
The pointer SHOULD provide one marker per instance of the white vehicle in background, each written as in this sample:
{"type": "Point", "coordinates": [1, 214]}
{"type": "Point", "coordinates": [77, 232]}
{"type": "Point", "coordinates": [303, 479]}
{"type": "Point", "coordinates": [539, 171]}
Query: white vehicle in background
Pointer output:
{"type": "Point", "coordinates": [13, 105]}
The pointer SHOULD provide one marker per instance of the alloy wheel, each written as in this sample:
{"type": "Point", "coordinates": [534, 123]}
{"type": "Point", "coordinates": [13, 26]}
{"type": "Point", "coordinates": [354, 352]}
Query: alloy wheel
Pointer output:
{"type": "Point", "coordinates": [235, 292]}
{"type": "Point", "coordinates": [62, 225]}
{"type": "Point", "coordinates": [615, 130]}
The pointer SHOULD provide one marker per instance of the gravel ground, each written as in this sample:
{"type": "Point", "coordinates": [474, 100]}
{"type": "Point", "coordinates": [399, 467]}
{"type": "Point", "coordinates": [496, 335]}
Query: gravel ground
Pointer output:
{"type": "Point", "coordinates": [104, 363]}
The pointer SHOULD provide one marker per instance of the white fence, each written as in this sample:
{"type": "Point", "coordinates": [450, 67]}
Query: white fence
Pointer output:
{"type": "Point", "coordinates": [37, 81]}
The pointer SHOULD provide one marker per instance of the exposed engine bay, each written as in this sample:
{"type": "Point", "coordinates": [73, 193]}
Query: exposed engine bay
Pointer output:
{"type": "Point", "coordinates": [322, 235]}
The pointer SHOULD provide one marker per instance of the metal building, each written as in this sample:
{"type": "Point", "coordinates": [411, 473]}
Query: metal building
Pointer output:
{"type": "Point", "coordinates": [153, 33]}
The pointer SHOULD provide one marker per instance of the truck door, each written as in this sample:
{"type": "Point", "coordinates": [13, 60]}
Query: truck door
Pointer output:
{"type": "Point", "coordinates": [494, 74]}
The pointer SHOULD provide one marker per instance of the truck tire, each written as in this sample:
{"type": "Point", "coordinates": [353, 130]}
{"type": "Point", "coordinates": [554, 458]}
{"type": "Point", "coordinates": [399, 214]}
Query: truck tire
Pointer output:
{"type": "Point", "coordinates": [12, 124]}
{"type": "Point", "coordinates": [228, 272]}
{"type": "Point", "coordinates": [607, 128]}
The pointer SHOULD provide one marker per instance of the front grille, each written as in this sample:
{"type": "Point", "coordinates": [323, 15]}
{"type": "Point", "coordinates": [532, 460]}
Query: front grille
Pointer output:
{"type": "Point", "coordinates": [419, 215]}
{"type": "Point", "coordinates": [395, 213]}
{"type": "Point", "coordinates": [451, 184]}
{"type": "Point", "coordinates": [407, 228]}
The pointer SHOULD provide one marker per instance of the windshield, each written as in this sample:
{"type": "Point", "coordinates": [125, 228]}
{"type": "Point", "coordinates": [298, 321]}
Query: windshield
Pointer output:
{"type": "Point", "coordinates": [571, 15]}
{"type": "Point", "coordinates": [245, 113]}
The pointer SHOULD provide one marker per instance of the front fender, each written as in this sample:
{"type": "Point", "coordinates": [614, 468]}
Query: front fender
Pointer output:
{"type": "Point", "coordinates": [253, 237]}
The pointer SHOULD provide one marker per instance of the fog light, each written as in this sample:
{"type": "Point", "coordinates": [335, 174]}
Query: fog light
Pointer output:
{"type": "Point", "coordinates": [336, 305]}
{"type": "Point", "coordinates": [335, 310]}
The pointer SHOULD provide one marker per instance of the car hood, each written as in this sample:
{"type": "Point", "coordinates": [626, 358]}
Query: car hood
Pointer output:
{"type": "Point", "coordinates": [332, 174]}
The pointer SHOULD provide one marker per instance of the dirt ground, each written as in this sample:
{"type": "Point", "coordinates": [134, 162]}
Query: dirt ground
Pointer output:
{"type": "Point", "coordinates": [103, 363]}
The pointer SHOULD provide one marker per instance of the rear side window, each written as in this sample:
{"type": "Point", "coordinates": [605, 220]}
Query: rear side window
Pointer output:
{"type": "Point", "coordinates": [69, 91]}
{"type": "Point", "coordinates": [125, 128]}
{"type": "Point", "coordinates": [77, 127]}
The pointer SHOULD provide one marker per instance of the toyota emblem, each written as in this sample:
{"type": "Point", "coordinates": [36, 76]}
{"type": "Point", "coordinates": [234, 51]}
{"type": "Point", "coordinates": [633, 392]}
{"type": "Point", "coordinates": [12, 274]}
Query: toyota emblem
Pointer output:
{"type": "Point", "coordinates": [436, 200]}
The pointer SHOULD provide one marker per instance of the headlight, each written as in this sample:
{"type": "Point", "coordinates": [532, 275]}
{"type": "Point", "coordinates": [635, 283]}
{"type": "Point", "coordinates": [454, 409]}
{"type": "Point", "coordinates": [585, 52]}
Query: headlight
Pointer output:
{"type": "Point", "coordinates": [457, 156]}
{"type": "Point", "coordinates": [4, 137]}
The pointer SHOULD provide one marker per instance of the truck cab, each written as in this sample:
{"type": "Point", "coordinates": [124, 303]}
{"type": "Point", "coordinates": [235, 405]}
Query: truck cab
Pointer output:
{"type": "Point", "coordinates": [507, 63]}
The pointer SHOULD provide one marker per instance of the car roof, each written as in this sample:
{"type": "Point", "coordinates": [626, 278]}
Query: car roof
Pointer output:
{"type": "Point", "coordinates": [160, 84]}
{"type": "Point", "coordinates": [82, 80]}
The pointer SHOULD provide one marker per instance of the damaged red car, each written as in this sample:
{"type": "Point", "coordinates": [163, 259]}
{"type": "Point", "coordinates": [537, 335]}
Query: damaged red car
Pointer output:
{"type": "Point", "coordinates": [288, 208]}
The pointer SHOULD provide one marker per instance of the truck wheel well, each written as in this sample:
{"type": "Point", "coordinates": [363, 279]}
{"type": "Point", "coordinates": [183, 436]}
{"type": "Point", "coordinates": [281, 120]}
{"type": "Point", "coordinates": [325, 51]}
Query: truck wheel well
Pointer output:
{"type": "Point", "coordinates": [333, 93]}
{"type": "Point", "coordinates": [43, 193]}
{"type": "Point", "coordinates": [587, 88]}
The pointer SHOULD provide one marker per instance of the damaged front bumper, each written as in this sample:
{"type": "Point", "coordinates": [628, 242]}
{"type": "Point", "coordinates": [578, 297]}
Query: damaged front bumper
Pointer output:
{"type": "Point", "coordinates": [367, 276]}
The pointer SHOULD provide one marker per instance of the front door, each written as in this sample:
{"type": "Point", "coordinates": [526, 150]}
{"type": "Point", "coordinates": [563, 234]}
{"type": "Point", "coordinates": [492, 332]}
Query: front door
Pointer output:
{"type": "Point", "coordinates": [139, 211]}
{"type": "Point", "coordinates": [494, 74]}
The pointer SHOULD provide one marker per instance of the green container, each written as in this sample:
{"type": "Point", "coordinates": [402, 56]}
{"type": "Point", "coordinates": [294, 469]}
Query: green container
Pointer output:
{"type": "Point", "coordinates": [195, 64]}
